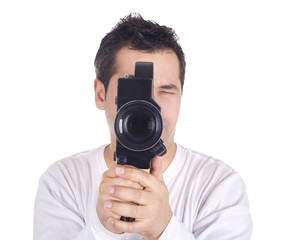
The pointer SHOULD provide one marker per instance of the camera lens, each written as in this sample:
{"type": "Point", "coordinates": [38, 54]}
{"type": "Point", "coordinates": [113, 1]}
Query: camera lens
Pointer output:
{"type": "Point", "coordinates": [138, 125]}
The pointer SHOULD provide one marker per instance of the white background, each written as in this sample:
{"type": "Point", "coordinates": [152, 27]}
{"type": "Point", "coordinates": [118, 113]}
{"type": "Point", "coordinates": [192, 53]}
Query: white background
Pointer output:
{"type": "Point", "coordinates": [234, 101]}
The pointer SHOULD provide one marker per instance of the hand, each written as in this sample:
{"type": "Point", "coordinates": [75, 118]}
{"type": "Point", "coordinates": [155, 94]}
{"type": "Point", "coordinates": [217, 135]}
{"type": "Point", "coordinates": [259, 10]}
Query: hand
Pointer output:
{"type": "Point", "coordinates": [105, 195]}
{"type": "Point", "coordinates": [145, 198]}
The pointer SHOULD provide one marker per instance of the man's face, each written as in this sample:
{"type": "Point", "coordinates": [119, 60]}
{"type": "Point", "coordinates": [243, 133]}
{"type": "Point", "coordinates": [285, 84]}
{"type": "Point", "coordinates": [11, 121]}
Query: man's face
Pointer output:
{"type": "Point", "coordinates": [167, 87]}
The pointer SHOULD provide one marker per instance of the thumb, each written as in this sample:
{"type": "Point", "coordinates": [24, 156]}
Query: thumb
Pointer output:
{"type": "Point", "coordinates": [156, 167]}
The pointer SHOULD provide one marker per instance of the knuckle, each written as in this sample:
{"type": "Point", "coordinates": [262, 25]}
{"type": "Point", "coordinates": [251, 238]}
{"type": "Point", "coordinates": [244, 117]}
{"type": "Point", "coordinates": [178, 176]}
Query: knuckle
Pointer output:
{"type": "Point", "coordinates": [144, 176]}
{"type": "Point", "coordinates": [134, 211]}
{"type": "Point", "coordinates": [128, 182]}
{"type": "Point", "coordinates": [162, 188]}
{"type": "Point", "coordinates": [105, 174]}
{"type": "Point", "coordinates": [141, 178]}
{"type": "Point", "coordinates": [102, 188]}
{"type": "Point", "coordinates": [130, 228]}
{"type": "Point", "coordinates": [137, 194]}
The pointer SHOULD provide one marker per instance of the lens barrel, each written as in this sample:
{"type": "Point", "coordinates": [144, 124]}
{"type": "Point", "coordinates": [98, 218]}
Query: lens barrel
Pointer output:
{"type": "Point", "coordinates": [138, 125]}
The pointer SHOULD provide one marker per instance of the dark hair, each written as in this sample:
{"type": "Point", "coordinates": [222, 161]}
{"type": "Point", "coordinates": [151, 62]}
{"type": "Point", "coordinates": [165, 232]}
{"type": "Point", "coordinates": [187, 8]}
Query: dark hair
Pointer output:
{"type": "Point", "coordinates": [138, 34]}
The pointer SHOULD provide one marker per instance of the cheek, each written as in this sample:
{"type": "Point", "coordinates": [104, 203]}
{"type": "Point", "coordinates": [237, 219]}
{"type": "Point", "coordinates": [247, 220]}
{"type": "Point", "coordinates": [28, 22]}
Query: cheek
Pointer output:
{"type": "Point", "coordinates": [170, 111]}
{"type": "Point", "coordinates": [110, 109]}
{"type": "Point", "coordinates": [110, 114]}
{"type": "Point", "coordinates": [170, 117]}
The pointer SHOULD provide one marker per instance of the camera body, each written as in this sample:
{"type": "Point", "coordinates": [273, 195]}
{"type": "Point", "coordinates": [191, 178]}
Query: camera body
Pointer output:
{"type": "Point", "coordinates": [138, 124]}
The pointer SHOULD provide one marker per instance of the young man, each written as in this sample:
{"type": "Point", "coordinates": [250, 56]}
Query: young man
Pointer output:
{"type": "Point", "coordinates": [185, 195]}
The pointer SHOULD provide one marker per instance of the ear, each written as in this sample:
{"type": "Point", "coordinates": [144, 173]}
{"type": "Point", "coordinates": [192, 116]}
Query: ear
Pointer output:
{"type": "Point", "coordinates": [100, 94]}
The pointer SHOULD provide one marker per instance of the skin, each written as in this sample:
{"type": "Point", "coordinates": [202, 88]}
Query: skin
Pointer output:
{"type": "Point", "coordinates": [125, 190]}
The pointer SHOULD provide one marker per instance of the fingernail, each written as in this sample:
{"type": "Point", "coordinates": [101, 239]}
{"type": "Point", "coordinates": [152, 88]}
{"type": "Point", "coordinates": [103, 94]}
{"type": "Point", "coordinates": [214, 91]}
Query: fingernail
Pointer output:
{"type": "Point", "coordinates": [110, 190]}
{"type": "Point", "coordinates": [120, 170]}
{"type": "Point", "coordinates": [108, 204]}
{"type": "Point", "coordinates": [111, 221]}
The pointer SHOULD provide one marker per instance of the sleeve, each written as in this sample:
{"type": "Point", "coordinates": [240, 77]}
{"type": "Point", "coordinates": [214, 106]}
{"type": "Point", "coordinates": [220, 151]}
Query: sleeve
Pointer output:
{"type": "Point", "coordinates": [223, 215]}
{"type": "Point", "coordinates": [57, 213]}
{"type": "Point", "coordinates": [176, 230]}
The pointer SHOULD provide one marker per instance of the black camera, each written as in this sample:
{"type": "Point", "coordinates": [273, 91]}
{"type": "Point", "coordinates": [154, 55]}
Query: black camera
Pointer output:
{"type": "Point", "coordinates": [138, 124]}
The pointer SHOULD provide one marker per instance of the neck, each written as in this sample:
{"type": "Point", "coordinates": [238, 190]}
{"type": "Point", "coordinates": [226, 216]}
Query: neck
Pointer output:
{"type": "Point", "coordinates": [166, 159]}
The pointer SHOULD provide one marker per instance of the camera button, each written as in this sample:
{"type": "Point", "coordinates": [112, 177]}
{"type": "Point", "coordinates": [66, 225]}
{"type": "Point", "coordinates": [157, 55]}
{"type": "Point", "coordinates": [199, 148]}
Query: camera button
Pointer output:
{"type": "Point", "coordinates": [122, 160]}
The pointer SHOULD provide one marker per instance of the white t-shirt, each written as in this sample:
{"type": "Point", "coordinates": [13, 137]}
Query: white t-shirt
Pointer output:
{"type": "Point", "coordinates": [207, 198]}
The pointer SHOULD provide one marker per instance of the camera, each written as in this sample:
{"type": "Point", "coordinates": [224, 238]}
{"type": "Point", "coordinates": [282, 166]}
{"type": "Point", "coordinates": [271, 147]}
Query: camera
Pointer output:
{"type": "Point", "coordinates": [138, 123]}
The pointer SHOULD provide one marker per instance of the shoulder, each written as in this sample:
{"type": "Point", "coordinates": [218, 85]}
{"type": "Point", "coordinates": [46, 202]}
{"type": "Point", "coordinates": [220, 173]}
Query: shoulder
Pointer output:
{"type": "Point", "coordinates": [214, 180]}
{"type": "Point", "coordinates": [214, 187]}
{"type": "Point", "coordinates": [77, 161]}
{"type": "Point", "coordinates": [209, 177]}
{"type": "Point", "coordinates": [202, 165]}
{"type": "Point", "coordinates": [76, 168]}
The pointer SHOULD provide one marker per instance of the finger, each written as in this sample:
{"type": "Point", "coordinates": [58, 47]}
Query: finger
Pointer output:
{"type": "Point", "coordinates": [137, 175]}
{"type": "Point", "coordinates": [126, 194]}
{"type": "Point", "coordinates": [111, 173]}
{"type": "Point", "coordinates": [106, 182]}
{"type": "Point", "coordinates": [111, 227]}
{"type": "Point", "coordinates": [116, 170]}
{"type": "Point", "coordinates": [112, 176]}
{"type": "Point", "coordinates": [128, 227]}
{"type": "Point", "coordinates": [126, 209]}
{"type": "Point", "coordinates": [156, 167]}
{"type": "Point", "coordinates": [107, 189]}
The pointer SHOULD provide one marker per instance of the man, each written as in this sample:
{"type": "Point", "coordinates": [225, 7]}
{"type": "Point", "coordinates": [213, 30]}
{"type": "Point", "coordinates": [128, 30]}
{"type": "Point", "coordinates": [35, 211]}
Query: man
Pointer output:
{"type": "Point", "coordinates": [186, 195]}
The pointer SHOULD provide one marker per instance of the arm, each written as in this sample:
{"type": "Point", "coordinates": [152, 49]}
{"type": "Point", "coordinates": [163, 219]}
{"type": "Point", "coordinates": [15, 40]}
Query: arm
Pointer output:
{"type": "Point", "coordinates": [224, 215]}
{"type": "Point", "coordinates": [176, 230]}
{"type": "Point", "coordinates": [225, 212]}
{"type": "Point", "coordinates": [58, 213]}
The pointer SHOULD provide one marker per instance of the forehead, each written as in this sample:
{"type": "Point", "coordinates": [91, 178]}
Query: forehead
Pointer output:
{"type": "Point", "coordinates": [166, 64]}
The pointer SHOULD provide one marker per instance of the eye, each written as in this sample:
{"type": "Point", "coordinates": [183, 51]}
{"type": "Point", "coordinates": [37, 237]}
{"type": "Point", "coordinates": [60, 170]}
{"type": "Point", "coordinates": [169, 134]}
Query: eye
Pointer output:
{"type": "Point", "coordinates": [167, 92]}
{"type": "Point", "coordinates": [168, 89]}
